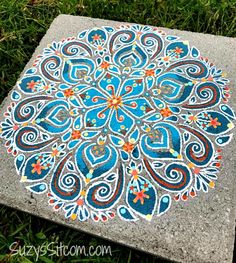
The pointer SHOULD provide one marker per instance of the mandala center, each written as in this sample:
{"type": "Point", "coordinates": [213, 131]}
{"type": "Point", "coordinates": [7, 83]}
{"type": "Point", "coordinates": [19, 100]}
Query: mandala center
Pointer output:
{"type": "Point", "coordinates": [114, 102]}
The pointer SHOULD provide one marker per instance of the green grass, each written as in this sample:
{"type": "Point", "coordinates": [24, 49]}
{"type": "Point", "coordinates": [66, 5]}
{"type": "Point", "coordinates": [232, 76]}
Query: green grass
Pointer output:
{"type": "Point", "coordinates": [24, 22]}
{"type": "Point", "coordinates": [22, 25]}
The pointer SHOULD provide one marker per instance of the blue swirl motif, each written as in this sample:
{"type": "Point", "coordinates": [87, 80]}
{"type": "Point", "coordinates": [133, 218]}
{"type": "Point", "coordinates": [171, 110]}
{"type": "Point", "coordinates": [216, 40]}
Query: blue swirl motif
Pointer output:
{"type": "Point", "coordinates": [118, 121]}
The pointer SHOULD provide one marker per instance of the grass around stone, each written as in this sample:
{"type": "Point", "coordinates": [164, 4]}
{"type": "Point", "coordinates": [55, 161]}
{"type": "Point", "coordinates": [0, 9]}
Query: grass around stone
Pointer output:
{"type": "Point", "coordinates": [22, 24]}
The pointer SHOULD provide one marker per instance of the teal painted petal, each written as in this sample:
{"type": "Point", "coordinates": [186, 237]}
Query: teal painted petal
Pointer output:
{"type": "Point", "coordinates": [135, 134]}
{"type": "Point", "coordinates": [136, 153]}
{"type": "Point", "coordinates": [228, 111]}
{"type": "Point", "coordinates": [171, 38]}
{"type": "Point", "coordinates": [158, 71]}
{"type": "Point", "coordinates": [124, 155]}
{"type": "Point", "coordinates": [82, 34]}
{"type": "Point", "coordinates": [164, 204]}
{"type": "Point", "coordinates": [126, 214]}
{"type": "Point", "coordinates": [89, 134]}
{"type": "Point", "coordinates": [172, 118]}
{"type": "Point", "coordinates": [159, 103]}
{"type": "Point", "coordinates": [98, 73]}
{"type": "Point", "coordinates": [64, 86]}
{"type": "Point", "coordinates": [39, 188]}
{"type": "Point", "coordinates": [66, 136]}
{"type": "Point", "coordinates": [151, 66]}
{"type": "Point", "coordinates": [114, 69]}
{"type": "Point", "coordinates": [195, 52]}
{"type": "Point", "coordinates": [78, 123]}
{"type": "Point", "coordinates": [117, 141]}
{"type": "Point", "coordinates": [175, 109]}
{"type": "Point", "coordinates": [224, 140]}
{"type": "Point", "coordinates": [150, 82]}
{"type": "Point", "coordinates": [154, 117]}
{"type": "Point", "coordinates": [60, 94]}
{"type": "Point", "coordinates": [74, 101]}
{"type": "Point", "coordinates": [109, 29]}
{"type": "Point", "coordinates": [19, 162]}
{"type": "Point", "coordinates": [73, 144]}
{"type": "Point", "coordinates": [15, 95]}
{"type": "Point", "coordinates": [30, 71]}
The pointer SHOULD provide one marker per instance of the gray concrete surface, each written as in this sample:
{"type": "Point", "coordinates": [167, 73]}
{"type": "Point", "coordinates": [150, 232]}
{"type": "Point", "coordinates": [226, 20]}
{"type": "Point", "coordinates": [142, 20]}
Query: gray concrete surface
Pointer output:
{"type": "Point", "coordinates": [199, 230]}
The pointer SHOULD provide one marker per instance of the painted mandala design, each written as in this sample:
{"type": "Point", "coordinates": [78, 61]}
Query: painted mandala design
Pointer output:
{"type": "Point", "coordinates": [118, 121]}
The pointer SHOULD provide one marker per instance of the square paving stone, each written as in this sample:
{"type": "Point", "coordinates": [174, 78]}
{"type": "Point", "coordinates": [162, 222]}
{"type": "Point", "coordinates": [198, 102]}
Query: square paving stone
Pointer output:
{"type": "Point", "coordinates": [126, 132]}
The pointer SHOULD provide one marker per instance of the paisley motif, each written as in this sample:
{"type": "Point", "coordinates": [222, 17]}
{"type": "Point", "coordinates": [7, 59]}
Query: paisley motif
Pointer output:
{"type": "Point", "coordinates": [118, 122]}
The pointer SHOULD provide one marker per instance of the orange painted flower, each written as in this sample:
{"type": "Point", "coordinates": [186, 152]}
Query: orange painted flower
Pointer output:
{"type": "Point", "coordinates": [192, 118]}
{"type": "Point", "coordinates": [138, 81]}
{"type": "Point", "coordinates": [166, 112]}
{"type": "Point", "coordinates": [128, 147]}
{"type": "Point", "coordinates": [80, 202]}
{"type": "Point", "coordinates": [46, 87]}
{"type": "Point", "coordinates": [38, 167]}
{"type": "Point", "coordinates": [105, 64]}
{"type": "Point", "coordinates": [31, 85]}
{"type": "Point", "coordinates": [76, 135]}
{"type": "Point", "coordinates": [178, 50]}
{"type": "Point", "coordinates": [68, 93]}
{"type": "Point", "coordinates": [149, 72]}
{"type": "Point", "coordinates": [114, 102]}
{"type": "Point", "coordinates": [214, 122]}
{"type": "Point", "coordinates": [96, 37]}
{"type": "Point", "coordinates": [55, 152]}
{"type": "Point", "coordinates": [131, 188]}
{"type": "Point", "coordinates": [140, 196]}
